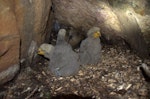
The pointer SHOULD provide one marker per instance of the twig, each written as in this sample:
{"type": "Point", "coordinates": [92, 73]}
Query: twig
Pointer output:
{"type": "Point", "coordinates": [32, 93]}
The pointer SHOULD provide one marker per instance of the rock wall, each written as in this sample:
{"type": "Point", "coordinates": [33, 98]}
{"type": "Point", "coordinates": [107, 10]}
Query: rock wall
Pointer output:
{"type": "Point", "coordinates": [21, 22]}
{"type": "Point", "coordinates": [118, 19]}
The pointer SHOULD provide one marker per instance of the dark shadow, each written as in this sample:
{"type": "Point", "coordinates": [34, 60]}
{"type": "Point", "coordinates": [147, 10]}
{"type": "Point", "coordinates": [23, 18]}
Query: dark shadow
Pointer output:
{"type": "Point", "coordinates": [70, 96]}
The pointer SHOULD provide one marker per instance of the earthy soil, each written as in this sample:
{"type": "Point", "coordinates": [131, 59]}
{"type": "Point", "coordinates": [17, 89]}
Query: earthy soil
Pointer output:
{"type": "Point", "coordinates": [117, 76]}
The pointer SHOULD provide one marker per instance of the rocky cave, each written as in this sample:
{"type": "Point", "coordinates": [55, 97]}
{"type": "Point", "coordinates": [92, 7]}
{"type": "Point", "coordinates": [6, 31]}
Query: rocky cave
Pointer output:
{"type": "Point", "coordinates": [125, 41]}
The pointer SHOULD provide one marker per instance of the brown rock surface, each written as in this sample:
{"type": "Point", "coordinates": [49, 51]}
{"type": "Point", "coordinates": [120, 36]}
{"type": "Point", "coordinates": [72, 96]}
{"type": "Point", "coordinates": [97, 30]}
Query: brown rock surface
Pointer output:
{"type": "Point", "coordinates": [21, 22]}
{"type": "Point", "coordinates": [32, 19]}
{"type": "Point", "coordinates": [9, 41]}
{"type": "Point", "coordinates": [87, 13]}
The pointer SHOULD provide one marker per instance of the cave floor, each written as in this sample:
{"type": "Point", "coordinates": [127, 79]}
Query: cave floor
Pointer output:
{"type": "Point", "coordinates": [117, 76]}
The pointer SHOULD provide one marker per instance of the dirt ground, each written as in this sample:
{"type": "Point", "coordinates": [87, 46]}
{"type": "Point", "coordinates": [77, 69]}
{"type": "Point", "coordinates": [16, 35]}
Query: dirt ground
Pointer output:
{"type": "Point", "coordinates": [117, 76]}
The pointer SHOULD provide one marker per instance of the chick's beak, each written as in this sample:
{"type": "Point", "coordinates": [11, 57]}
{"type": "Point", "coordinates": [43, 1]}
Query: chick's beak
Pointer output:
{"type": "Point", "coordinates": [40, 52]}
{"type": "Point", "coordinates": [96, 34]}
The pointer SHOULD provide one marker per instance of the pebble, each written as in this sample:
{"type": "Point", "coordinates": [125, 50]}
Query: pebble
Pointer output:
{"type": "Point", "coordinates": [143, 92]}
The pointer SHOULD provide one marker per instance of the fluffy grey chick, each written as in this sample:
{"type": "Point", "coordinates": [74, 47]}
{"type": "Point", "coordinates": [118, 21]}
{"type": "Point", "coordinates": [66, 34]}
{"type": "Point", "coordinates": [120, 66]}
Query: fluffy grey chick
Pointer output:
{"type": "Point", "coordinates": [64, 61]}
{"type": "Point", "coordinates": [46, 50]}
{"type": "Point", "coordinates": [90, 48]}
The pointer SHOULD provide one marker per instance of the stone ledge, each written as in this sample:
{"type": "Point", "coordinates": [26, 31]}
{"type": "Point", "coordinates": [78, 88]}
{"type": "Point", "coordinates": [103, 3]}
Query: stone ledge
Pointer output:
{"type": "Point", "coordinates": [9, 73]}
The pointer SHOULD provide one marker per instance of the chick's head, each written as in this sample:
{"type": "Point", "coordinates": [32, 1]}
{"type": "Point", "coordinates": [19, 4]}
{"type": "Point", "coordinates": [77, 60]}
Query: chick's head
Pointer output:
{"type": "Point", "coordinates": [61, 36]}
{"type": "Point", "coordinates": [45, 49]}
{"type": "Point", "coordinates": [94, 32]}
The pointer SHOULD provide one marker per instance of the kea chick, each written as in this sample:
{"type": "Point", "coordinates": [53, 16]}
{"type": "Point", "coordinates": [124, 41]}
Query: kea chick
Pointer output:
{"type": "Point", "coordinates": [90, 48]}
{"type": "Point", "coordinates": [64, 61]}
{"type": "Point", "coordinates": [46, 50]}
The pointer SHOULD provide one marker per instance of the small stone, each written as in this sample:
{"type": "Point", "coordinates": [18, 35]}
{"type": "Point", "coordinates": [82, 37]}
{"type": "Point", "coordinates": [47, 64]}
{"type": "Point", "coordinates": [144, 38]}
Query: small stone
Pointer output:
{"type": "Point", "coordinates": [140, 61]}
{"type": "Point", "coordinates": [41, 95]}
{"type": "Point", "coordinates": [43, 73]}
{"type": "Point", "coordinates": [60, 78]}
{"type": "Point", "coordinates": [112, 93]}
{"type": "Point", "coordinates": [75, 92]}
{"type": "Point", "coordinates": [112, 86]}
{"type": "Point", "coordinates": [80, 73]}
{"type": "Point", "coordinates": [72, 80]}
{"type": "Point", "coordinates": [143, 92]}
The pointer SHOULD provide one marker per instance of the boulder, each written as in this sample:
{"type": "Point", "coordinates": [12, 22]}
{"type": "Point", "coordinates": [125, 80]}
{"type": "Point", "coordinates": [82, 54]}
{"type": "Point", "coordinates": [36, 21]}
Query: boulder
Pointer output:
{"type": "Point", "coordinates": [22, 23]}
{"type": "Point", "coordinates": [111, 16]}
{"type": "Point", "coordinates": [32, 17]}
{"type": "Point", "coordinates": [87, 14]}
{"type": "Point", "coordinates": [9, 42]}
